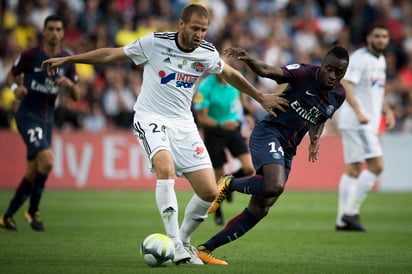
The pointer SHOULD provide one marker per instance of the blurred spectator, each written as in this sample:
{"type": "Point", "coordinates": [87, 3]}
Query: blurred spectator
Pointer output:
{"type": "Point", "coordinates": [126, 34]}
{"type": "Point", "coordinates": [41, 9]}
{"type": "Point", "coordinates": [94, 120]}
{"type": "Point", "coordinates": [8, 53]}
{"type": "Point", "coordinates": [88, 19]}
{"type": "Point", "coordinates": [118, 99]}
{"type": "Point", "coordinates": [407, 125]}
{"type": "Point", "coordinates": [25, 31]}
{"type": "Point", "coordinates": [330, 24]}
{"type": "Point", "coordinates": [65, 115]}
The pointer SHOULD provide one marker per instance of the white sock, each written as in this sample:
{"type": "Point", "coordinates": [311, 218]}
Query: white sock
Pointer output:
{"type": "Point", "coordinates": [366, 180]}
{"type": "Point", "coordinates": [195, 214]}
{"type": "Point", "coordinates": [167, 204]}
{"type": "Point", "coordinates": [347, 190]}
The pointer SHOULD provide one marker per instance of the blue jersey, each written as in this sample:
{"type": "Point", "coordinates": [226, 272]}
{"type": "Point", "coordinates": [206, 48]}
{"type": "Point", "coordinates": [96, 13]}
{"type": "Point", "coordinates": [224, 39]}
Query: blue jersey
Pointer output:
{"type": "Point", "coordinates": [309, 104]}
{"type": "Point", "coordinates": [42, 89]}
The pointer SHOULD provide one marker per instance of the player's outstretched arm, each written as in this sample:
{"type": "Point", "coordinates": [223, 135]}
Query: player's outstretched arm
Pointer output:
{"type": "Point", "coordinates": [260, 68]}
{"type": "Point", "coordinates": [314, 134]}
{"type": "Point", "coordinates": [268, 101]}
{"type": "Point", "coordinates": [97, 56]}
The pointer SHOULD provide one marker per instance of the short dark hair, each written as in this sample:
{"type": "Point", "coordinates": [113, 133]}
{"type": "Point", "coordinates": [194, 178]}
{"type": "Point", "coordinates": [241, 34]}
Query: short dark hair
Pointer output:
{"type": "Point", "coordinates": [339, 52]}
{"type": "Point", "coordinates": [54, 18]}
{"type": "Point", "coordinates": [189, 10]}
{"type": "Point", "coordinates": [375, 26]}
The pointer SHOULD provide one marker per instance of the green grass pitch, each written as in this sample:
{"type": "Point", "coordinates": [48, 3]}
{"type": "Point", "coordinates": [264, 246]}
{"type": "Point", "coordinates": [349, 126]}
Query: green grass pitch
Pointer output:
{"type": "Point", "coordinates": [100, 232]}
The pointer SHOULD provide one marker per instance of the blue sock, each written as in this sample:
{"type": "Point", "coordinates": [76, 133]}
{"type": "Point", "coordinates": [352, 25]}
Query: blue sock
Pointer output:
{"type": "Point", "coordinates": [36, 192]}
{"type": "Point", "coordinates": [249, 185]}
{"type": "Point", "coordinates": [22, 192]}
{"type": "Point", "coordinates": [234, 229]}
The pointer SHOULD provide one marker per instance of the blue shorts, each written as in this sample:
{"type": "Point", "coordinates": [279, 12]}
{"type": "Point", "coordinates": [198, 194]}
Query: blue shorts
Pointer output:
{"type": "Point", "coordinates": [37, 134]}
{"type": "Point", "coordinates": [266, 148]}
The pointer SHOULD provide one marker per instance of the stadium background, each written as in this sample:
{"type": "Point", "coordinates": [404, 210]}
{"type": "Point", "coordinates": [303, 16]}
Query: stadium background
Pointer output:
{"type": "Point", "coordinates": [93, 145]}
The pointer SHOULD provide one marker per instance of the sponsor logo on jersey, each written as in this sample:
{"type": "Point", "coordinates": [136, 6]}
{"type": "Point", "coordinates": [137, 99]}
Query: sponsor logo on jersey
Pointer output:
{"type": "Point", "coordinates": [49, 86]}
{"type": "Point", "coordinates": [182, 80]}
{"type": "Point", "coordinates": [377, 82]}
{"type": "Point", "coordinates": [167, 60]}
{"type": "Point", "coordinates": [312, 115]}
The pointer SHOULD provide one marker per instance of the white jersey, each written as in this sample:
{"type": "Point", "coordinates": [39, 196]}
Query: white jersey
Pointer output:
{"type": "Point", "coordinates": [367, 73]}
{"type": "Point", "coordinates": [170, 74]}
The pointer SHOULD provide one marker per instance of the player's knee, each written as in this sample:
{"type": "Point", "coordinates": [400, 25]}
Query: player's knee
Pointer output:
{"type": "Point", "coordinates": [377, 169]}
{"type": "Point", "coordinates": [249, 171]}
{"type": "Point", "coordinates": [165, 171]}
{"type": "Point", "coordinates": [46, 166]}
{"type": "Point", "coordinates": [209, 195]}
{"type": "Point", "coordinates": [274, 190]}
{"type": "Point", "coordinates": [259, 212]}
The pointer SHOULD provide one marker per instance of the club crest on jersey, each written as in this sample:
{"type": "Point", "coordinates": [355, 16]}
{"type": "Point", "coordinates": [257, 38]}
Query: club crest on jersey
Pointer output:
{"type": "Point", "coordinates": [182, 80]}
{"type": "Point", "coordinates": [198, 66]}
{"type": "Point", "coordinates": [199, 151]}
{"type": "Point", "coordinates": [330, 109]}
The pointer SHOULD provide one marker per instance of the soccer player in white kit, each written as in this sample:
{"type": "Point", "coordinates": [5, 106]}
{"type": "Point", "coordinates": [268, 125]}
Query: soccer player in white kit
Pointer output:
{"type": "Point", "coordinates": [359, 120]}
{"type": "Point", "coordinates": [163, 122]}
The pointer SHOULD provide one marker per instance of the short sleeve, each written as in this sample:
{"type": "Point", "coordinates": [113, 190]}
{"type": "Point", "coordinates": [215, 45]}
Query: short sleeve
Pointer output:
{"type": "Point", "coordinates": [355, 68]}
{"type": "Point", "coordinates": [217, 64]}
{"type": "Point", "coordinates": [140, 50]}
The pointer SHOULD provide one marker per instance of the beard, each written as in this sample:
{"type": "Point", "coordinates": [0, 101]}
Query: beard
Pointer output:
{"type": "Point", "coordinates": [378, 50]}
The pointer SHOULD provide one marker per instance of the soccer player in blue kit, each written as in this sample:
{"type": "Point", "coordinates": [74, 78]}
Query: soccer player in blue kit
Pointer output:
{"type": "Point", "coordinates": [38, 92]}
{"type": "Point", "coordinates": [314, 94]}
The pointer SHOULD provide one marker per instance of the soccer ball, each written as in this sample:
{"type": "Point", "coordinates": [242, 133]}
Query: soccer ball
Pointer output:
{"type": "Point", "coordinates": [157, 250]}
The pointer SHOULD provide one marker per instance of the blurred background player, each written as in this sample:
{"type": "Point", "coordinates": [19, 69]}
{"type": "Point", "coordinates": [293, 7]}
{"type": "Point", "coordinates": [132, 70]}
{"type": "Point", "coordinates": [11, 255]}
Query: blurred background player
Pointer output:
{"type": "Point", "coordinates": [38, 92]}
{"type": "Point", "coordinates": [219, 111]}
{"type": "Point", "coordinates": [314, 94]}
{"type": "Point", "coordinates": [359, 121]}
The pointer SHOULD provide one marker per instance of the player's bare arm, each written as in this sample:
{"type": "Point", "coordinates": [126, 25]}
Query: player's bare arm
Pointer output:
{"type": "Point", "coordinates": [17, 86]}
{"type": "Point", "coordinates": [97, 56]}
{"type": "Point", "coordinates": [74, 88]}
{"type": "Point", "coordinates": [260, 68]}
{"type": "Point", "coordinates": [268, 101]}
{"type": "Point", "coordinates": [352, 102]}
{"type": "Point", "coordinates": [389, 115]}
{"type": "Point", "coordinates": [314, 134]}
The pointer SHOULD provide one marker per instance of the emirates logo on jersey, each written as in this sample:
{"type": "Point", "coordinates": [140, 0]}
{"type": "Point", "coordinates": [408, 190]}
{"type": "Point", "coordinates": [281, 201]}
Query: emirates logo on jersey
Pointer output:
{"type": "Point", "coordinates": [199, 151]}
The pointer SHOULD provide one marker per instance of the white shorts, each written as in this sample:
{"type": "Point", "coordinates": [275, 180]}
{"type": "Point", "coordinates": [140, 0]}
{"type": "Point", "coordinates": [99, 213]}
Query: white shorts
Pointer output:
{"type": "Point", "coordinates": [359, 145]}
{"type": "Point", "coordinates": [181, 139]}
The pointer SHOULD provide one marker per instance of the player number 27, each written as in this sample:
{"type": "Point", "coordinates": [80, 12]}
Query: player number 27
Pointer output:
{"type": "Point", "coordinates": [35, 134]}
{"type": "Point", "coordinates": [277, 149]}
